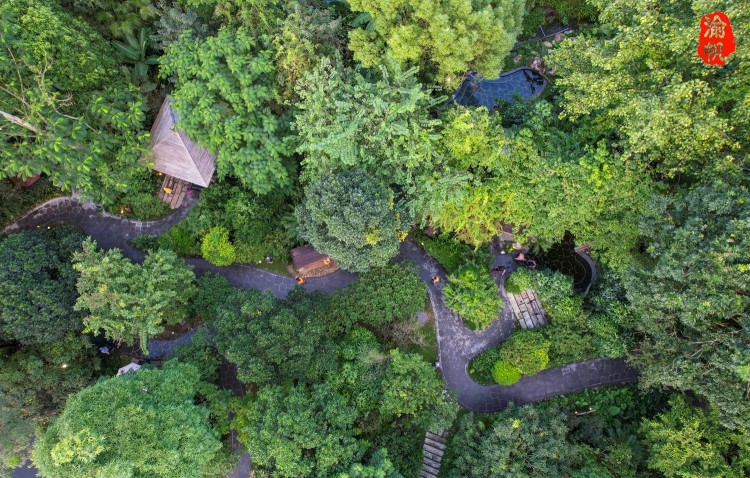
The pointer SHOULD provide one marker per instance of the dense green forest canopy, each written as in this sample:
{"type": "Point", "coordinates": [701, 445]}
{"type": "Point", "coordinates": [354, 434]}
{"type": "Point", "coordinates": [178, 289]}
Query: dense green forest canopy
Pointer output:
{"type": "Point", "coordinates": [331, 126]}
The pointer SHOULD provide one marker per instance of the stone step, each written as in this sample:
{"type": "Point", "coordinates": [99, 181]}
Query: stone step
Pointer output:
{"type": "Point", "coordinates": [427, 462]}
{"type": "Point", "coordinates": [425, 474]}
{"type": "Point", "coordinates": [435, 451]}
{"type": "Point", "coordinates": [435, 443]}
{"type": "Point", "coordinates": [431, 468]}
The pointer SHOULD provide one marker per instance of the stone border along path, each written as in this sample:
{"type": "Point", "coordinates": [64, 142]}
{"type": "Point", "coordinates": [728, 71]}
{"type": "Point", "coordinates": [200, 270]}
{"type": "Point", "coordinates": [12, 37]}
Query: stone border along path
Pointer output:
{"type": "Point", "coordinates": [457, 344]}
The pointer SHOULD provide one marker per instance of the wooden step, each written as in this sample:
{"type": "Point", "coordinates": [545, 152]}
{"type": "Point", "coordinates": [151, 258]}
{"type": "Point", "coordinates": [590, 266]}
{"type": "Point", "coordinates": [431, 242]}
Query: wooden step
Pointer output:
{"type": "Point", "coordinates": [436, 438]}
{"type": "Point", "coordinates": [435, 443]}
{"type": "Point", "coordinates": [429, 463]}
{"type": "Point", "coordinates": [433, 450]}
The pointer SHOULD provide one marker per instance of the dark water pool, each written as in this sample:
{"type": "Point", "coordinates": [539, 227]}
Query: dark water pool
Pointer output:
{"type": "Point", "coordinates": [477, 91]}
{"type": "Point", "coordinates": [563, 257]}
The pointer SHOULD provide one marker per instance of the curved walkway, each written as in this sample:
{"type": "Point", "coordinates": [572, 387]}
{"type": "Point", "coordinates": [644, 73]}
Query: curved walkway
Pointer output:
{"type": "Point", "coordinates": [457, 344]}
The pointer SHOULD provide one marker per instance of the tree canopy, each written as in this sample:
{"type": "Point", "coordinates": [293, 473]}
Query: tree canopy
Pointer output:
{"type": "Point", "coordinates": [224, 95]}
{"type": "Point", "coordinates": [37, 285]}
{"type": "Point", "coordinates": [299, 431]}
{"type": "Point", "coordinates": [143, 423]}
{"type": "Point", "coordinates": [64, 111]}
{"type": "Point", "coordinates": [352, 217]}
{"type": "Point", "coordinates": [692, 300]}
{"type": "Point", "coordinates": [127, 300]}
{"type": "Point", "coordinates": [444, 38]}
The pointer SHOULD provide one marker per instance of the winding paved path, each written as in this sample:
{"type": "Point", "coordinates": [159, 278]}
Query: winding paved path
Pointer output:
{"type": "Point", "coordinates": [457, 344]}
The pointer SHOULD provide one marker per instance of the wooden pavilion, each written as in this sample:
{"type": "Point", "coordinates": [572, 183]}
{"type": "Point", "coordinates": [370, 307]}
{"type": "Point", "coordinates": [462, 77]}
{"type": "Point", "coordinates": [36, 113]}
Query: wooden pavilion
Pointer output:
{"type": "Point", "coordinates": [178, 158]}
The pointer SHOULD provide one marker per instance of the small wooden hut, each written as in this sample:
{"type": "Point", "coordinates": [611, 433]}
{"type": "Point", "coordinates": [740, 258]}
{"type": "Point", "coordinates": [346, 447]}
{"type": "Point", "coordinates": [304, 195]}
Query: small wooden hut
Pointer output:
{"type": "Point", "coordinates": [310, 263]}
{"type": "Point", "coordinates": [177, 157]}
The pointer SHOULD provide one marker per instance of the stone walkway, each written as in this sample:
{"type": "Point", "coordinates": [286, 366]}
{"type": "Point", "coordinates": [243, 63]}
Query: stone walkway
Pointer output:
{"type": "Point", "coordinates": [457, 344]}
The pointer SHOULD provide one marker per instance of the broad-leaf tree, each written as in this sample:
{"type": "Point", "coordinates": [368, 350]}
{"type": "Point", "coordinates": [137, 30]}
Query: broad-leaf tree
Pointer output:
{"type": "Point", "coordinates": [688, 441]}
{"type": "Point", "coordinates": [267, 341]}
{"type": "Point", "coordinates": [352, 217]}
{"type": "Point", "coordinates": [38, 285]}
{"type": "Point", "coordinates": [444, 38]}
{"type": "Point", "coordinates": [346, 120]}
{"type": "Point", "coordinates": [517, 443]}
{"type": "Point", "coordinates": [62, 111]}
{"type": "Point", "coordinates": [692, 302]}
{"type": "Point", "coordinates": [293, 431]}
{"type": "Point", "coordinates": [128, 300]}
{"type": "Point", "coordinates": [534, 175]}
{"type": "Point", "coordinates": [638, 80]}
{"type": "Point", "coordinates": [35, 381]}
{"type": "Point", "coordinates": [224, 95]}
{"type": "Point", "coordinates": [144, 423]}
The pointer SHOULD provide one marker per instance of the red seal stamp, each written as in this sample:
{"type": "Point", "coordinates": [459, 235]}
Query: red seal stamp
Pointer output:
{"type": "Point", "coordinates": [716, 40]}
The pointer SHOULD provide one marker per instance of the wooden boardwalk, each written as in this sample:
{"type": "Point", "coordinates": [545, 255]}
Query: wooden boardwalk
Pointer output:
{"type": "Point", "coordinates": [434, 447]}
{"type": "Point", "coordinates": [173, 191]}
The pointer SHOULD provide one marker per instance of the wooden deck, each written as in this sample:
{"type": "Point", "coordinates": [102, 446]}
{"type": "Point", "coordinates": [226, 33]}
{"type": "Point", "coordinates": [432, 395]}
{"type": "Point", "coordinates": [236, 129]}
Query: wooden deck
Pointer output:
{"type": "Point", "coordinates": [173, 191]}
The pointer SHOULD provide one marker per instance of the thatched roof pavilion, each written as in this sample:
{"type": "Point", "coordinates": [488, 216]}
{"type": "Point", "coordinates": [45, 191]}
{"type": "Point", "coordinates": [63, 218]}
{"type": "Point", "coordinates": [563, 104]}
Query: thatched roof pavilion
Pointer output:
{"type": "Point", "coordinates": [175, 155]}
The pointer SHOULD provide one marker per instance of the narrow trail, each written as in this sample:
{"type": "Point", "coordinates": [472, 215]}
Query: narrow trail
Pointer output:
{"type": "Point", "coordinates": [457, 344]}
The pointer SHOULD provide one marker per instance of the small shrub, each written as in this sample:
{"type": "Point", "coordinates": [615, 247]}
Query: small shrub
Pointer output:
{"type": "Point", "coordinates": [198, 352]}
{"type": "Point", "coordinates": [146, 206]}
{"type": "Point", "coordinates": [472, 294]}
{"type": "Point", "coordinates": [520, 280]}
{"type": "Point", "coordinates": [180, 240]}
{"type": "Point", "coordinates": [449, 252]}
{"type": "Point", "coordinates": [607, 340]}
{"type": "Point", "coordinates": [505, 373]}
{"type": "Point", "coordinates": [527, 350]}
{"type": "Point", "coordinates": [146, 242]}
{"type": "Point", "coordinates": [480, 367]}
{"type": "Point", "coordinates": [216, 247]}
{"type": "Point", "coordinates": [568, 345]}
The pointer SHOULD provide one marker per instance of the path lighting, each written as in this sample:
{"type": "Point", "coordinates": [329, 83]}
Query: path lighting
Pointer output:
{"type": "Point", "coordinates": [64, 365]}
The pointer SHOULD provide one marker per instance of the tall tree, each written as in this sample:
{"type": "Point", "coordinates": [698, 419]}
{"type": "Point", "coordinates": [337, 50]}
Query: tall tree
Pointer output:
{"type": "Point", "coordinates": [347, 120]}
{"type": "Point", "coordinates": [35, 381]}
{"type": "Point", "coordinates": [632, 80]}
{"type": "Point", "coordinates": [534, 175]}
{"type": "Point", "coordinates": [63, 112]}
{"type": "Point", "coordinates": [127, 300]}
{"type": "Point", "coordinates": [144, 423]}
{"type": "Point", "coordinates": [267, 341]}
{"type": "Point", "coordinates": [307, 33]}
{"type": "Point", "coordinates": [687, 441]}
{"type": "Point", "coordinates": [295, 431]}
{"type": "Point", "coordinates": [37, 285]}
{"type": "Point", "coordinates": [519, 442]}
{"type": "Point", "coordinates": [692, 302]}
{"type": "Point", "coordinates": [444, 38]}
{"type": "Point", "coordinates": [353, 218]}
{"type": "Point", "coordinates": [224, 95]}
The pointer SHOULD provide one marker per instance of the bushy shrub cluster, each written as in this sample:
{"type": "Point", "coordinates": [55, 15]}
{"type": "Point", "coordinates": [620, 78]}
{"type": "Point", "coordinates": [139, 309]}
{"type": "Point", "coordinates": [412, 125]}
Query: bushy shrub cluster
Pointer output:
{"type": "Point", "coordinates": [505, 373]}
{"type": "Point", "coordinates": [579, 328]}
{"type": "Point", "coordinates": [216, 247]}
{"type": "Point", "coordinates": [254, 227]}
{"type": "Point", "coordinates": [473, 295]}
{"type": "Point", "coordinates": [391, 293]}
